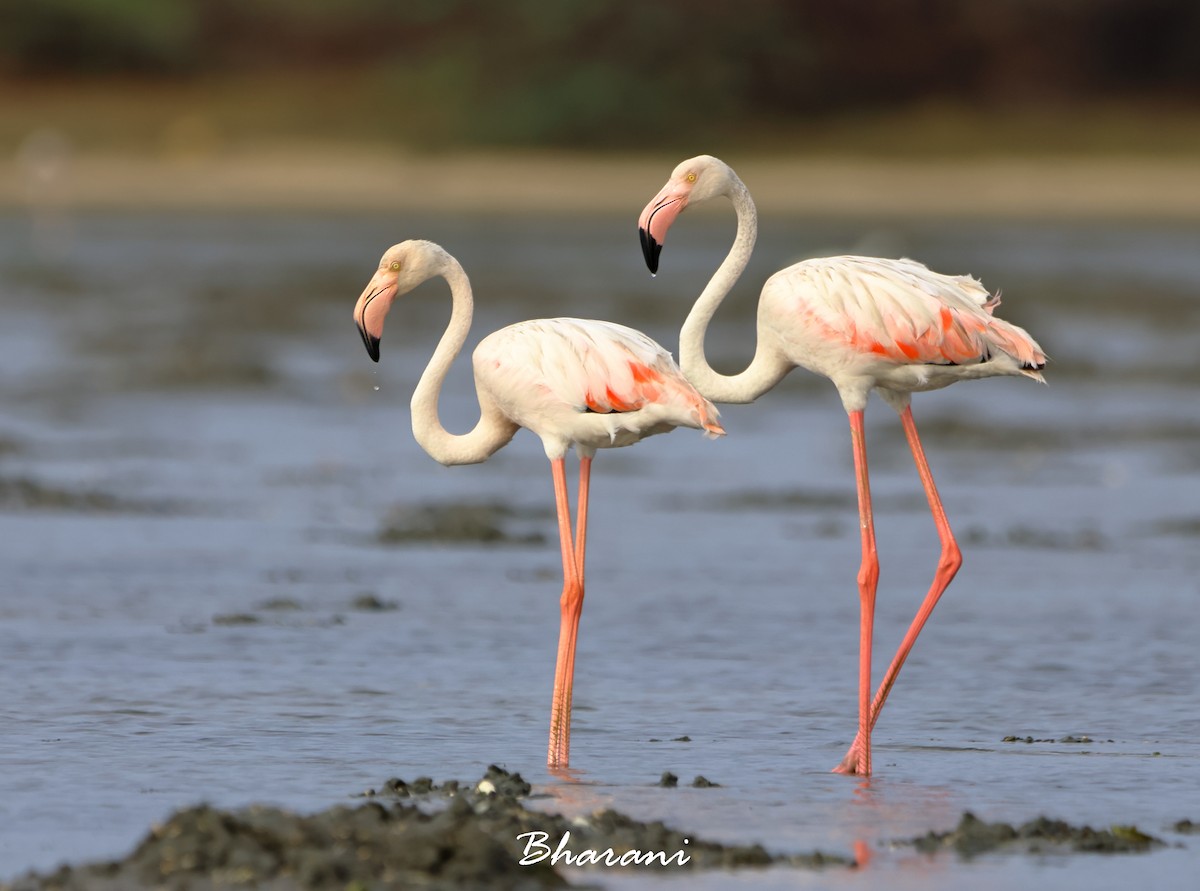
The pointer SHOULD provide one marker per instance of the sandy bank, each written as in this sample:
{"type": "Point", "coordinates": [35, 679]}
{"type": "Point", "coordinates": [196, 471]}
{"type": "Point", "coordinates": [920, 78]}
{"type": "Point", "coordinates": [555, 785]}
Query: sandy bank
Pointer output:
{"type": "Point", "coordinates": [351, 179]}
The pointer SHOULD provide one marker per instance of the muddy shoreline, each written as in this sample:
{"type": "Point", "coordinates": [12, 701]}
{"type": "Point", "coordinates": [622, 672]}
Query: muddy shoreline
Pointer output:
{"type": "Point", "coordinates": [485, 835]}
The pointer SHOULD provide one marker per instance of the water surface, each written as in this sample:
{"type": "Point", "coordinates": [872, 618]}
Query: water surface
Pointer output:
{"type": "Point", "coordinates": [197, 457]}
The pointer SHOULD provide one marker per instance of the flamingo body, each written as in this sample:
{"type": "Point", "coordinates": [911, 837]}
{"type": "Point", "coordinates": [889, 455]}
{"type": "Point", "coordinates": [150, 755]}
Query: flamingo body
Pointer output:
{"type": "Point", "coordinates": [868, 324]}
{"type": "Point", "coordinates": [893, 325]}
{"type": "Point", "coordinates": [587, 383]}
{"type": "Point", "coordinates": [573, 382]}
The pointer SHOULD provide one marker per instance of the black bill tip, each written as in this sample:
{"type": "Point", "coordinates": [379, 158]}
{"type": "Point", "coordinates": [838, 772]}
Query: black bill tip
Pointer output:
{"type": "Point", "coordinates": [371, 342]}
{"type": "Point", "coordinates": [651, 250]}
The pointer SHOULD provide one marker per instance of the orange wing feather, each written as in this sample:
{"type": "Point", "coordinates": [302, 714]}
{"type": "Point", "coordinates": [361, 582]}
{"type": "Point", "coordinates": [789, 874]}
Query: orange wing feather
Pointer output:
{"type": "Point", "coordinates": [902, 311]}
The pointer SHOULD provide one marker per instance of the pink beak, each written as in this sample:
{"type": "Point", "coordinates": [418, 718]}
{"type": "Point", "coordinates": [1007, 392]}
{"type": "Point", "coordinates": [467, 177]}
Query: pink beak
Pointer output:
{"type": "Point", "coordinates": [657, 218]}
{"type": "Point", "coordinates": [371, 309]}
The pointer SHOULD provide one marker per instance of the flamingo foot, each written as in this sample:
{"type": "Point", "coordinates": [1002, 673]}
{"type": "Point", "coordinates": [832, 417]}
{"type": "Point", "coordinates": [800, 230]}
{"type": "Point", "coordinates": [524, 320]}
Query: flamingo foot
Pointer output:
{"type": "Point", "coordinates": [857, 761]}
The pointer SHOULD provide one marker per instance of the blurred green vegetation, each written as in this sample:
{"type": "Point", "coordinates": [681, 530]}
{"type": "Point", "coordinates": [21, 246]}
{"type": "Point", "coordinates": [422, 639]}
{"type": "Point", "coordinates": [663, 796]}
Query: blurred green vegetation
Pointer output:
{"type": "Point", "coordinates": [602, 73]}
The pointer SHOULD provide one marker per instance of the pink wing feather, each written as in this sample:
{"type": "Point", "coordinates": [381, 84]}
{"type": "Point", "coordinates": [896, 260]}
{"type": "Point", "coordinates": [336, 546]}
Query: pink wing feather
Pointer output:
{"type": "Point", "coordinates": [602, 367]}
{"type": "Point", "coordinates": [904, 312]}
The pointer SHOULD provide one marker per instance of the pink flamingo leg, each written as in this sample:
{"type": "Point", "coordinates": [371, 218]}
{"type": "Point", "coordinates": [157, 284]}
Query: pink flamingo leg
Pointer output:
{"type": "Point", "coordinates": [585, 477]}
{"type": "Point", "coordinates": [576, 606]}
{"type": "Point", "coordinates": [571, 603]}
{"type": "Point", "coordinates": [858, 759]}
{"type": "Point", "coordinates": [948, 564]}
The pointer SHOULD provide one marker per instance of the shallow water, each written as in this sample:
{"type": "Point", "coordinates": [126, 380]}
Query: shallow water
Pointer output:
{"type": "Point", "coordinates": [196, 460]}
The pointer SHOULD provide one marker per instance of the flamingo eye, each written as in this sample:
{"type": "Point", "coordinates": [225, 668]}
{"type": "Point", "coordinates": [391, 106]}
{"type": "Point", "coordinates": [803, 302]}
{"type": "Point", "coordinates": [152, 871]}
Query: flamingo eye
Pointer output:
{"type": "Point", "coordinates": [395, 266]}
{"type": "Point", "coordinates": [691, 177]}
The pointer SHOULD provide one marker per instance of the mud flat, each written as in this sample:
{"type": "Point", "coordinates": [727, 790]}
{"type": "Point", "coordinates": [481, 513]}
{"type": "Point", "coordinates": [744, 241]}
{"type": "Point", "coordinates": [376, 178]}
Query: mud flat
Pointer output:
{"type": "Point", "coordinates": [482, 835]}
{"type": "Point", "coordinates": [447, 835]}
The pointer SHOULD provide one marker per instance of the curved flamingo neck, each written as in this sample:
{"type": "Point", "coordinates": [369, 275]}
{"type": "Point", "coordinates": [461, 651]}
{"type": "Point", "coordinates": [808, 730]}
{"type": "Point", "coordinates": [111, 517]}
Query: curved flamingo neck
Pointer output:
{"type": "Point", "coordinates": [765, 369]}
{"type": "Point", "coordinates": [492, 430]}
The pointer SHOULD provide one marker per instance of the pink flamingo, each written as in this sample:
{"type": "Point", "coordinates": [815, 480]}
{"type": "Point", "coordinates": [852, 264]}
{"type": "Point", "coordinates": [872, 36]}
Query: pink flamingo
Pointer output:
{"type": "Point", "coordinates": [578, 382]}
{"type": "Point", "coordinates": [865, 323]}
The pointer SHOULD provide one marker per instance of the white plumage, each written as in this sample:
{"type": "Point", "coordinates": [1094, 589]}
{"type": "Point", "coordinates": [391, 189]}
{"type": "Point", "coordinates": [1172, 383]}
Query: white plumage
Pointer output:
{"type": "Point", "coordinates": [573, 382]}
{"type": "Point", "coordinates": [587, 383]}
{"type": "Point", "coordinates": [894, 325]}
{"type": "Point", "coordinates": [868, 324]}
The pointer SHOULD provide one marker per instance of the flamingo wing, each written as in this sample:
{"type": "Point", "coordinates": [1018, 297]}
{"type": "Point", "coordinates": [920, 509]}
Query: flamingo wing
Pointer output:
{"type": "Point", "coordinates": [593, 366]}
{"type": "Point", "coordinates": [903, 312]}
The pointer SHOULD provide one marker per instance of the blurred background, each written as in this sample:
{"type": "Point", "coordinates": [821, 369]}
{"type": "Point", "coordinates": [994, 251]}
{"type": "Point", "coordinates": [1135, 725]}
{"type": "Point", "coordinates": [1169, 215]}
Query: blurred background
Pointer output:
{"type": "Point", "coordinates": [194, 83]}
{"type": "Point", "coordinates": [218, 539]}
{"type": "Point", "coordinates": [910, 76]}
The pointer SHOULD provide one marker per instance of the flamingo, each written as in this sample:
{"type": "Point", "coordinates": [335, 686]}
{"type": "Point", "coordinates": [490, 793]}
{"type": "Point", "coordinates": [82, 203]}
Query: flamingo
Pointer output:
{"type": "Point", "coordinates": [578, 382]}
{"type": "Point", "coordinates": [866, 323]}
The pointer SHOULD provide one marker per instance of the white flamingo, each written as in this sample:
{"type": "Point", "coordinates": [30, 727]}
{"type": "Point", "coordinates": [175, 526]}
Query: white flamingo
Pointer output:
{"type": "Point", "coordinates": [866, 323]}
{"type": "Point", "coordinates": [573, 382]}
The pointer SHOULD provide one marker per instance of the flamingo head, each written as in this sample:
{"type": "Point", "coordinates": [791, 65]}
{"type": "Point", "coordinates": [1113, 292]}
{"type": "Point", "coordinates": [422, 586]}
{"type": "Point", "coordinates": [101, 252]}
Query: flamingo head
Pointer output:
{"type": "Point", "coordinates": [692, 182]}
{"type": "Point", "coordinates": [402, 267]}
